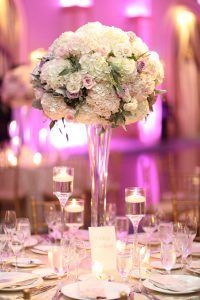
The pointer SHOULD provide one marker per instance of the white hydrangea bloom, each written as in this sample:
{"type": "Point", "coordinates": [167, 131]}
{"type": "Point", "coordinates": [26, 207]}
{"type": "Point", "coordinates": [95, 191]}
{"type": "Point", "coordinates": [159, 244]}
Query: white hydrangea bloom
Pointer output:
{"type": "Point", "coordinates": [74, 83]}
{"type": "Point", "coordinates": [132, 105]}
{"type": "Point", "coordinates": [86, 115]}
{"type": "Point", "coordinates": [53, 107]}
{"type": "Point", "coordinates": [138, 47]}
{"type": "Point", "coordinates": [50, 72]}
{"type": "Point", "coordinates": [126, 66]}
{"type": "Point", "coordinates": [60, 43]}
{"type": "Point", "coordinates": [103, 99]}
{"type": "Point", "coordinates": [140, 113]}
{"type": "Point", "coordinates": [95, 65]}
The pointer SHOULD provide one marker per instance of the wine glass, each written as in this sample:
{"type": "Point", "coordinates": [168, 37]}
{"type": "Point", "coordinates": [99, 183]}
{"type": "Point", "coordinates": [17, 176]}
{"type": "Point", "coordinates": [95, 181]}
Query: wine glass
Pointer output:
{"type": "Point", "coordinates": [166, 232]}
{"type": "Point", "coordinates": [49, 215]}
{"type": "Point", "coordinates": [135, 200]}
{"type": "Point", "coordinates": [74, 215]}
{"type": "Point", "coordinates": [183, 243]}
{"type": "Point", "coordinates": [121, 227]}
{"type": "Point", "coordinates": [124, 263]}
{"type": "Point", "coordinates": [59, 264]}
{"type": "Point", "coordinates": [140, 254]}
{"type": "Point", "coordinates": [79, 253]}
{"type": "Point", "coordinates": [23, 225]}
{"type": "Point", "coordinates": [10, 222]}
{"type": "Point", "coordinates": [16, 244]}
{"type": "Point", "coordinates": [63, 178]}
{"type": "Point", "coordinates": [149, 225]}
{"type": "Point", "coordinates": [3, 240]}
{"type": "Point", "coordinates": [168, 256]}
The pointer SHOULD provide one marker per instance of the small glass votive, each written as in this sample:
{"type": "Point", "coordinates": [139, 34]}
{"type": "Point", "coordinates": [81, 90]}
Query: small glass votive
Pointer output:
{"type": "Point", "coordinates": [121, 227]}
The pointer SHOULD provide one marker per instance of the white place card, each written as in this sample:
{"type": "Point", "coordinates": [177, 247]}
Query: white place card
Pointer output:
{"type": "Point", "coordinates": [103, 247]}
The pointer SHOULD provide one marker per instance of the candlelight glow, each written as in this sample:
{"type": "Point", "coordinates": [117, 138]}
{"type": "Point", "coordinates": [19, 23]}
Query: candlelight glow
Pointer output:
{"type": "Point", "coordinates": [36, 55]}
{"type": "Point", "coordinates": [12, 159]}
{"type": "Point", "coordinates": [37, 158]}
{"type": "Point", "coordinates": [97, 269]}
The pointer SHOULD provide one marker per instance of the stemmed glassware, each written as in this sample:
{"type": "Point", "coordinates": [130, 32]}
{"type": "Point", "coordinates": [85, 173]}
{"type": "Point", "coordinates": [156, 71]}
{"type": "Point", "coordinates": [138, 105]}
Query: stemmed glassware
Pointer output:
{"type": "Point", "coordinates": [23, 225]}
{"type": "Point", "coordinates": [124, 263]}
{"type": "Point", "coordinates": [10, 222]}
{"type": "Point", "coordinates": [50, 215]}
{"type": "Point", "coordinates": [121, 227]}
{"type": "Point", "coordinates": [166, 232]}
{"type": "Point", "coordinates": [135, 200]}
{"type": "Point", "coordinates": [149, 225]}
{"type": "Point", "coordinates": [63, 178]}
{"type": "Point", "coordinates": [3, 240]}
{"type": "Point", "coordinates": [168, 256]}
{"type": "Point", "coordinates": [16, 244]}
{"type": "Point", "coordinates": [74, 215]}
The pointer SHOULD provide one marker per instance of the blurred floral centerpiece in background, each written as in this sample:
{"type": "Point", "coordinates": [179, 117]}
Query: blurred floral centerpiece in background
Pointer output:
{"type": "Point", "coordinates": [103, 77]}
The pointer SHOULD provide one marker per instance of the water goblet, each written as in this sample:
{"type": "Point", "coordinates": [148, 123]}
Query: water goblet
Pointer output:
{"type": "Point", "coordinates": [79, 253]}
{"type": "Point", "coordinates": [16, 244]}
{"type": "Point", "coordinates": [183, 243]}
{"type": "Point", "coordinates": [23, 225]}
{"type": "Point", "coordinates": [121, 227]}
{"type": "Point", "coordinates": [3, 240]}
{"type": "Point", "coordinates": [49, 215]}
{"type": "Point", "coordinates": [74, 215]}
{"type": "Point", "coordinates": [168, 256]}
{"type": "Point", "coordinates": [59, 265]}
{"type": "Point", "coordinates": [166, 232]}
{"type": "Point", "coordinates": [124, 263]}
{"type": "Point", "coordinates": [135, 201]}
{"type": "Point", "coordinates": [63, 178]}
{"type": "Point", "coordinates": [10, 222]}
{"type": "Point", "coordinates": [149, 225]}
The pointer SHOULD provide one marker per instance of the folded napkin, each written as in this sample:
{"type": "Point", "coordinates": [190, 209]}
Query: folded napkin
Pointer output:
{"type": "Point", "coordinates": [91, 289]}
{"type": "Point", "coordinates": [42, 248]}
{"type": "Point", "coordinates": [195, 265]}
{"type": "Point", "coordinates": [10, 280]}
{"type": "Point", "coordinates": [175, 283]}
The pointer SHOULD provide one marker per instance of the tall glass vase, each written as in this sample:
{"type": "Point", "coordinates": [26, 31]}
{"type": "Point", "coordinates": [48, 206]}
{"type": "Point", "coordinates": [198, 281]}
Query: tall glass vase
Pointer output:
{"type": "Point", "coordinates": [99, 148]}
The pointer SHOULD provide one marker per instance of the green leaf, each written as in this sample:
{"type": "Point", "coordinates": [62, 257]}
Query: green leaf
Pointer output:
{"type": "Point", "coordinates": [64, 72]}
{"type": "Point", "coordinates": [37, 104]}
{"type": "Point", "coordinates": [159, 92]}
{"type": "Point", "coordinates": [51, 125]}
{"type": "Point", "coordinates": [143, 54]}
{"type": "Point", "coordinates": [132, 57]}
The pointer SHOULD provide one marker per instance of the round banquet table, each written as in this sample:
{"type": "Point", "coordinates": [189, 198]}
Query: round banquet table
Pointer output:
{"type": "Point", "coordinates": [85, 268]}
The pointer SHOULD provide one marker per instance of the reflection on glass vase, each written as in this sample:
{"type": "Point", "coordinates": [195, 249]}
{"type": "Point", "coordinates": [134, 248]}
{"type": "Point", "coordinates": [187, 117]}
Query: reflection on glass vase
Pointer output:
{"type": "Point", "coordinates": [99, 148]}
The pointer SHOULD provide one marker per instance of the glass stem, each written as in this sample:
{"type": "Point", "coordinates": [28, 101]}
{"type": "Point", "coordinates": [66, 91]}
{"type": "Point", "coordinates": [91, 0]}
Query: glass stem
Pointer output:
{"type": "Point", "coordinates": [135, 227]}
{"type": "Point", "coordinates": [62, 221]}
{"type": "Point", "coordinates": [16, 269]}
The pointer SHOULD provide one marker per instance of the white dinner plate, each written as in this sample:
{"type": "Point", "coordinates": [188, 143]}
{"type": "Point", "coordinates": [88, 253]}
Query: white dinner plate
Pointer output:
{"type": "Point", "coordinates": [158, 265]}
{"type": "Point", "coordinates": [195, 249]}
{"type": "Point", "coordinates": [157, 255]}
{"type": "Point", "coordinates": [111, 290]}
{"type": "Point", "coordinates": [188, 284]}
{"type": "Point", "coordinates": [31, 242]}
{"type": "Point", "coordinates": [13, 279]}
{"type": "Point", "coordinates": [24, 262]}
{"type": "Point", "coordinates": [194, 267]}
{"type": "Point", "coordinates": [41, 249]}
{"type": "Point", "coordinates": [46, 273]}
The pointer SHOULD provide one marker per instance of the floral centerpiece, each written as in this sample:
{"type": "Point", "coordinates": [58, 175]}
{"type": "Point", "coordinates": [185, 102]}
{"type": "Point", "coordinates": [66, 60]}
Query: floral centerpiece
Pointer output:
{"type": "Point", "coordinates": [16, 87]}
{"type": "Point", "coordinates": [100, 76]}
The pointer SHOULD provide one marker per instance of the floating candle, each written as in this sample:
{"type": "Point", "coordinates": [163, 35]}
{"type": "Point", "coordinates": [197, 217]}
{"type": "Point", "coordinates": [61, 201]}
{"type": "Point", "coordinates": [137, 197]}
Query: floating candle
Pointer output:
{"type": "Point", "coordinates": [134, 198]}
{"type": "Point", "coordinates": [74, 207]}
{"type": "Point", "coordinates": [62, 176]}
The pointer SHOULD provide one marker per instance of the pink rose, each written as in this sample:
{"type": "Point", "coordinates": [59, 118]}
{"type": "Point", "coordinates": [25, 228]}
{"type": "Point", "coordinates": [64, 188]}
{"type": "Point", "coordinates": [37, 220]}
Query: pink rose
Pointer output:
{"type": "Point", "coordinates": [70, 115]}
{"type": "Point", "coordinates": [88, 81]}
